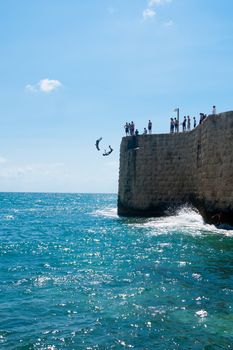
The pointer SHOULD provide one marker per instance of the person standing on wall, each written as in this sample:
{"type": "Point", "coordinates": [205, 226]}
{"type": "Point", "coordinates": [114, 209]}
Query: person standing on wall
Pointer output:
{"type": "Point", "coordinates": [150, 127]}
{"type": "Point", "coordinates": [131, 128]}
{"type": "Point", "coordinates": [176, 123]}
{"type": "Point", "coordinates": [126, 129]}
{"type": "Point", "coordinates": [172, 125]}
{"type": "Point", "coordinates": [188, 123]}
{"type": "Point", "coordinates": [194, 122]}
{"type": "Point", "coordinates": [214, 110]}
{"type": "Point", "coordinates": [184, 124]}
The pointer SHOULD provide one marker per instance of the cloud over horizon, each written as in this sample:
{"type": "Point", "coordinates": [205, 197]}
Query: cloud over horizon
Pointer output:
{"type": "Point", "coordinates": [44, 85]}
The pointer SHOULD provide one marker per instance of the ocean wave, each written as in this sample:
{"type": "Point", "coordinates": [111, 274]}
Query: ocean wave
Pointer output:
{"type": "Point", "coordinates": [106, 212]}
{"type": "Point", "coordinates": [186, 220]}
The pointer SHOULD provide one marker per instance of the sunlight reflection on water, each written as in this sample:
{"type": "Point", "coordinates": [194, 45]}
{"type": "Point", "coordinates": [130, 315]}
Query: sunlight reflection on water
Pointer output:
{"type": "Point", "coordinates": [74, 275]}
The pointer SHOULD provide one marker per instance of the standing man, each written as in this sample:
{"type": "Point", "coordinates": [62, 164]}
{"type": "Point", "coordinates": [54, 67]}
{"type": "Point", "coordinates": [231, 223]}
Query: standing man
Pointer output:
{"type": "Point", "coordinates": [194, 122]}
{"type": "Point", "coordinates": [184, 124]}
{"type": "Point", "coordinates": [131, 128]}
{"type": "Point", "coordinates": [188, 123]}
{"type": "Point", "coordinates": [214, 110]}
{"type": "Point", "coordinates": [150, 127]}
{"type": "Point", "coordinates": [172, 124]}
{"type": "Point", "coordinates": [176, 123]}
{"type": "Point", "coordinates": [126, 129]}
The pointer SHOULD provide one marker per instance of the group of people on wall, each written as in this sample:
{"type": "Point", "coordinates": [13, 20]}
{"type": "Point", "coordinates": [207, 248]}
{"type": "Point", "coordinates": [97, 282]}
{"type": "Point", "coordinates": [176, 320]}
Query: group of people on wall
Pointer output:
{"type": "Point", "coordinates": [186, 123]}
{"type": "Point", "coordinates": [130, 129]}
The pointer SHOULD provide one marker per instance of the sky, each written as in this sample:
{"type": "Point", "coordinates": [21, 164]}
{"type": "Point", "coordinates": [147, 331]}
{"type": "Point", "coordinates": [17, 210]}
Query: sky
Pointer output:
{"type": "Point", "coordinates": [72, 71]}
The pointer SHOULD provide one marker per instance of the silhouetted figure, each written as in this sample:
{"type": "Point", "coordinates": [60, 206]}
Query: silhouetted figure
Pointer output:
{"type": "Point", "coordinates": [176, 123]}
{"type": "Point", "coordinates": [201, 118]}
{"type": "Point", "coordinates": [184, 124]}
{"type": "Point", "coordinates": [126, 129]}
{"type": "Point", "coordinates": [172, 125]}
{"type": "Point", "coordinates": [97, 143]}
{"type": "Point", "coordinates": [109, 152]}
{"type": "Point", "coordinates": [131, 128]}
{"type": "Point", "coordinates": [150, 127]}
{"type": "Point", "coordinates": [194, 122]}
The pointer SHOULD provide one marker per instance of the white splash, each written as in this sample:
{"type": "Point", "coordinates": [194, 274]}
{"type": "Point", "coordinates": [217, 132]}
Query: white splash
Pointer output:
{"type": "Point", "coordinates": [202, 313]}
{"type": "Point", "coordinates": [107, 212]}
{"type": "Point", "coordinates": [187, 221]}
{"type": "Point", "coordinates": [41, 281]}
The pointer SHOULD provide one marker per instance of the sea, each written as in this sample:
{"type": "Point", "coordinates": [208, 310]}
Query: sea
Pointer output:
{"type": "Point", "coordinates": [75, 275]}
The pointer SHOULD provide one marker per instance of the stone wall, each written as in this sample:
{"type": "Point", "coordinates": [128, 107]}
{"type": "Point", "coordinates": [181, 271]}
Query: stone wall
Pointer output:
{"type": "Point", "coordinates": [160, 172]}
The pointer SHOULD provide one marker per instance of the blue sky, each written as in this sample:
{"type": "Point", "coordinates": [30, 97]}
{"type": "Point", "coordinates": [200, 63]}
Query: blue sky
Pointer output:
{"type": "Point", "coordinates": [72, 71]}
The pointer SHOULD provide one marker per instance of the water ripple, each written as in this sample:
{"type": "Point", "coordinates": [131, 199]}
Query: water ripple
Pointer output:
{"type": "Point", "coordinates": [76, 276]}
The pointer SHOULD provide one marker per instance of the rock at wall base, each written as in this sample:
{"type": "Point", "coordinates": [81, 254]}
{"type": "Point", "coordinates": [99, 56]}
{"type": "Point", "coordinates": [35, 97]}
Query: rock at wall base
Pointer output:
{"type": "Point", "coordinates": [156, 211]}
{"type": "Point", "coordinates": [215, 217]}
{"type": "Point", "coordinates": [218, 217]}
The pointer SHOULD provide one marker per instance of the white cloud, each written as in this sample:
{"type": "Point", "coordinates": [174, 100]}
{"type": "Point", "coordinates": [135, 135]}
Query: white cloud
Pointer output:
{"type": "Point", "coordinates": [45, 85]}
{"type": "Point", "coordinates": [148, 13]}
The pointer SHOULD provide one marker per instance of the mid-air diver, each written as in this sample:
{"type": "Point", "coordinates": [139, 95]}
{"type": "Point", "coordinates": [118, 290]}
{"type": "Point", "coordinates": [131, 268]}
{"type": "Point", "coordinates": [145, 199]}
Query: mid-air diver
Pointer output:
{"type": "Point", "coordinates": [97, 143]}
{"type": "Point", "coordinates": [109, 152]}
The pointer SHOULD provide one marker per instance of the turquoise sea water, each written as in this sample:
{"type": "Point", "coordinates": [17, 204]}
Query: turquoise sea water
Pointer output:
{"type": "Point", "coordinates": [73, 275]}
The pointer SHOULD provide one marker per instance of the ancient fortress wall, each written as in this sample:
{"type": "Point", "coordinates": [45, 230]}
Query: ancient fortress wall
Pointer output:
{"type": "Point", "coordinates": [161, 172]}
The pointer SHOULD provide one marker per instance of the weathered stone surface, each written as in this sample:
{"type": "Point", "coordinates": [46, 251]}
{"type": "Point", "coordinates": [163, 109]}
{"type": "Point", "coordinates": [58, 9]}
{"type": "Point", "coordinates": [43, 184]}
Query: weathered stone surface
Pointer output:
{"type": "Point", "coordinates": [160, 172]}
